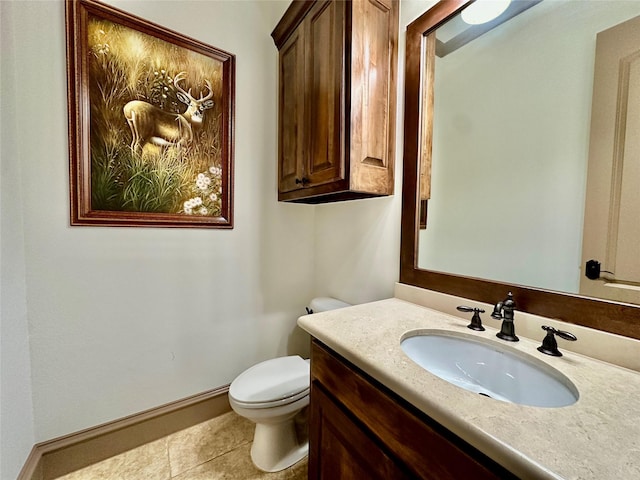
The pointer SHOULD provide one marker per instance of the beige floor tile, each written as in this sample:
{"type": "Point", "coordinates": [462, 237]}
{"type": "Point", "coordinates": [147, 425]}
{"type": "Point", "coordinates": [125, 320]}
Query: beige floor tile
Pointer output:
{"type": "Point", "coordinates": [208, 440]}
{"type": "Point", "coordinates": [147, 462]}
{"type": "Point", "coordinates": [218, 449]}
{"type": "Point", "coordinates": [299, 471]}
{"type": "Point", "coordinates": [237, 465]}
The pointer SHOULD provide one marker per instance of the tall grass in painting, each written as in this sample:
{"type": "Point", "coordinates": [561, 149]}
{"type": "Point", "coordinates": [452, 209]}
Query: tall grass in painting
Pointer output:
{"type": "Point", "coordinates": [127, 65]}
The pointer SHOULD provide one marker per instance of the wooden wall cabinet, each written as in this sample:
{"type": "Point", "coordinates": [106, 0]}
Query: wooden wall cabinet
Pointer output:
{"type": "Point", "coordinates": [359, 429]}
{"type": "Point", "coordinates": [336, 99]}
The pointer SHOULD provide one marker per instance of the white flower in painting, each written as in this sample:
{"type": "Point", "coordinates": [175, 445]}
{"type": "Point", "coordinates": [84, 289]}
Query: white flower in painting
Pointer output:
{"type": "Point", "coordinates": [102, 49]}
{"type": "Point", "coordinates": [217, 171]}
{"type": "Point", "coordinates": [202, 181]}
{"type": "Point", "coordinates": [203, 211]}
{"type": "Point", "coordinates": [213, 197]}
{"type": "Point", "coordinates": [190, 204]}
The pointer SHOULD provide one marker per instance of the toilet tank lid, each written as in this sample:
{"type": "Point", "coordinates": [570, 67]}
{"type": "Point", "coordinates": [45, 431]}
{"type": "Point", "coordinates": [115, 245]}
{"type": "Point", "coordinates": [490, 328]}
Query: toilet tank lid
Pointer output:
{"type": "Point", "coordinates": [271, 380]}
{"type": "Point", "coordinates": [324, 304]}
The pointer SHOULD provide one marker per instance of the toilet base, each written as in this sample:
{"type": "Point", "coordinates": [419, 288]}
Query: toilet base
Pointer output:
{"type": "Point", "coordinates": [276, 446]}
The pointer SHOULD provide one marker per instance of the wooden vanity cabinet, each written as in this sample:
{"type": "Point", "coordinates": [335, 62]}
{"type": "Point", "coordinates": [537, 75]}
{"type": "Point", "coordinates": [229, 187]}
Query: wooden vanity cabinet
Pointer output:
{"type": "Point", "coordinates": [336, 99]}
{"type": "Point", "coordinates": [359, 429]}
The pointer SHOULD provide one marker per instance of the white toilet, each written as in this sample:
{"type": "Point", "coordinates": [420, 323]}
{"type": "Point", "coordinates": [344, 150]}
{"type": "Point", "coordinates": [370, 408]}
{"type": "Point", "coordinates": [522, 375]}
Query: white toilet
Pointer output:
{"type": "Point", "coordinates": [271, 394]}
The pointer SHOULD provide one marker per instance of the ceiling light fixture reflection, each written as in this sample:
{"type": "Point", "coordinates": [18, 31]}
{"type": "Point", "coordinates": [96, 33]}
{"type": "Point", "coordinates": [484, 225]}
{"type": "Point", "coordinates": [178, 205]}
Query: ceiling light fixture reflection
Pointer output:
{"type": "Point", "coordinates": [483, 11]}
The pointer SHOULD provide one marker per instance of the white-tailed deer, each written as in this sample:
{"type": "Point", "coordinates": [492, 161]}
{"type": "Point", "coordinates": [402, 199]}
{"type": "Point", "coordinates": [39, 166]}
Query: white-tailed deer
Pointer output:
{"type": "Point", "coordinates": [150, 124]}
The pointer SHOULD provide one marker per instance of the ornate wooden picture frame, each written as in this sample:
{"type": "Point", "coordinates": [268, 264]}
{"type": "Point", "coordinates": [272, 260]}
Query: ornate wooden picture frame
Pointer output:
{"type": "Point", "coordinates": [151, 123]}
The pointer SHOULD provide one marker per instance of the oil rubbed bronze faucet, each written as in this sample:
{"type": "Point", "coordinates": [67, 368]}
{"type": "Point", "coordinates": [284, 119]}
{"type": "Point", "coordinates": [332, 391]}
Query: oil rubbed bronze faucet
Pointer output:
{"type": "Point", "coordinates": [505, 311]}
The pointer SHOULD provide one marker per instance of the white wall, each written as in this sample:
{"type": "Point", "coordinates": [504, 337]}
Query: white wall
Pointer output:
{"type": "Point", "coordinates": [16, 408]}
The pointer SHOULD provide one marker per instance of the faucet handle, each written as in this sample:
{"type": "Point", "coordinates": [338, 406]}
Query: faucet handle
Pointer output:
{"type": "Point", "coordinates": [549, 345]}
{"type": "Point", "coordinates": [476, 322]}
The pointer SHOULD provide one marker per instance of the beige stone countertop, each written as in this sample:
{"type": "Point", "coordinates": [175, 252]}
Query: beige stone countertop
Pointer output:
{"type": "Point", "coordinates": [598, 437]}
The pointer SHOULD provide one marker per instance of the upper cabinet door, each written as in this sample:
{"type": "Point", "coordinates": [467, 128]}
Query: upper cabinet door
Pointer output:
{"type": "Point", "coordinates": [326, 27]}
{"type": "Point", "coordinates": [291, 131]}
{"type": "Point", "coordinates": [374, 32]}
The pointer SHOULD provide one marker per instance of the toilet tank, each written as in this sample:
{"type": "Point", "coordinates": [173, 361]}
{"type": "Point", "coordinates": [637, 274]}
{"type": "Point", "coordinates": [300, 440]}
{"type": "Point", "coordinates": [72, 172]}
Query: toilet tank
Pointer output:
{"type": "Point", "coordinates": [324, 304]}
{"type": "Point", "coordinates": [299, 340]}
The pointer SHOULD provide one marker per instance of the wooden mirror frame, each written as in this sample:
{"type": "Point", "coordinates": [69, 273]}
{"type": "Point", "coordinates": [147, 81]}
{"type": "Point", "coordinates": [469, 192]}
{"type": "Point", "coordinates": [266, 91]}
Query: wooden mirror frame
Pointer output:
{"type": "Point", "coordinates": [608, 316]}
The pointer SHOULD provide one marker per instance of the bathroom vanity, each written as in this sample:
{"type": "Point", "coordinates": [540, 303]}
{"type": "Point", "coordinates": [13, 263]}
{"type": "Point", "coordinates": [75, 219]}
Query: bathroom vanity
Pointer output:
{"type": "Point", "coordinates": [360, 426]}
{"type": "Point", "coordinates": [375, 413]}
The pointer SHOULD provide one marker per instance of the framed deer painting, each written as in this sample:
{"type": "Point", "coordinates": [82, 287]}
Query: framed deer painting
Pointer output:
{"type": "Point", "coordinates": [151, 117]}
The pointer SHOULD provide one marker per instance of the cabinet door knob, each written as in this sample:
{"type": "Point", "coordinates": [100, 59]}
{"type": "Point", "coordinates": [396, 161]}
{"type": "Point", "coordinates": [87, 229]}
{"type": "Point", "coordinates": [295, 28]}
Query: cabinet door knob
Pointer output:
{"type": "Point", "coordinates": [302, 181]}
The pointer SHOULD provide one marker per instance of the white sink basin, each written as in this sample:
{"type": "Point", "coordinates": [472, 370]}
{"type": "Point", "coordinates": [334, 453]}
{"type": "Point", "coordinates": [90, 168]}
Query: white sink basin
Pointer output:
{"type": "Point", "coordinates": [489, 368]}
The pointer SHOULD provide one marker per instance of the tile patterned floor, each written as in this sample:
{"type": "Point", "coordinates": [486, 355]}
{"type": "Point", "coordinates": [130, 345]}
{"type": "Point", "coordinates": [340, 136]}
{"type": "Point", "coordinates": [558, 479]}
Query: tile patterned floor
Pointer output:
{"type": "Point", "coordinates": [214, 450]}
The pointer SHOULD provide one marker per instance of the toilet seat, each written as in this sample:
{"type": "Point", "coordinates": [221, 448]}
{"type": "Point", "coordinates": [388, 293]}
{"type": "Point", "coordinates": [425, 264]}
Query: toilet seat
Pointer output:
{"type": "Point", "coordinates": [272, 383]}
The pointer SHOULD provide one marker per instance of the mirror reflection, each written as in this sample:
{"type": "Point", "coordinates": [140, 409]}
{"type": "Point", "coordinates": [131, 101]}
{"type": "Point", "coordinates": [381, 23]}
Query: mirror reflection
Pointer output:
{"type": "Point", "coordinates": [511, 140]}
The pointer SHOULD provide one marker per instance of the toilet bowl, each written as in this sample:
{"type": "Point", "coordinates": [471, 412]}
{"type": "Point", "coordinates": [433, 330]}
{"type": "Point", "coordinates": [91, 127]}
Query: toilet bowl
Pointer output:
{"type": "Point", "coordinates": [271, 394]}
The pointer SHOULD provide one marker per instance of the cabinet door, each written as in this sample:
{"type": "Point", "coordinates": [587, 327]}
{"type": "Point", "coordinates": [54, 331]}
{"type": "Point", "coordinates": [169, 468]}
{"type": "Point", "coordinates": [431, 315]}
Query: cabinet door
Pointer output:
{"type": "Point", "coordinates": [345, 451]}
{"type": "Point", "coordinates": [325, 95]}
{"type": "Point", "coordinates": [374, 30]}
{"type": "Point", "coordinates": [291, 149]}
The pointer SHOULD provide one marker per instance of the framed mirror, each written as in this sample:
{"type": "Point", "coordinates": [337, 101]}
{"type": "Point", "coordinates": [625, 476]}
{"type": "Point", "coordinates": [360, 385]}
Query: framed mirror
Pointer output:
{"type": "Point", "coordinates": [445, 251]}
